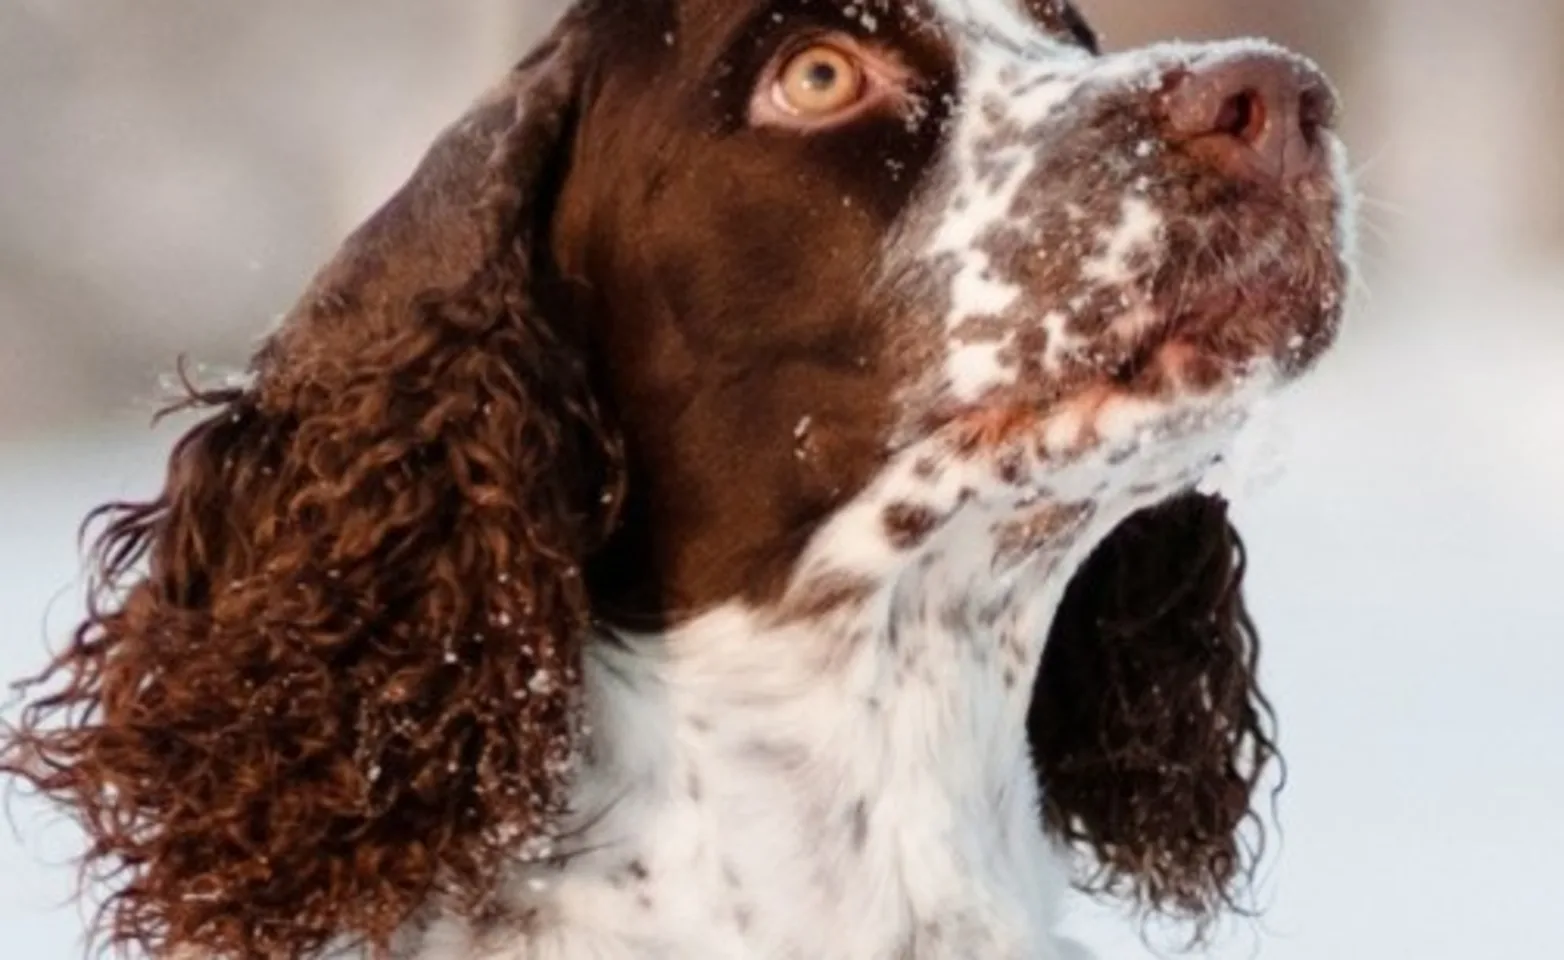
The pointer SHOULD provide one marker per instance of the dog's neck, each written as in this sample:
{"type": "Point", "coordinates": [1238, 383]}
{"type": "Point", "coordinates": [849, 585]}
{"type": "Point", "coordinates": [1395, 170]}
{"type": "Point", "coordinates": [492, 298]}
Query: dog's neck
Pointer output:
{"type": "Point", "coordinates": [851, 783]}
{"type": "Point", "coordinates": [869, 771]}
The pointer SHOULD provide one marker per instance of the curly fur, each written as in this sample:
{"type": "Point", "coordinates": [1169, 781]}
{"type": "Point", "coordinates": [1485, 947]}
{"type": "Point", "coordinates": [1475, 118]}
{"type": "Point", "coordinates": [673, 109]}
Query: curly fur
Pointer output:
{"type": "Point", "coordinates": [333, 667]}
{"type": "Point", "coordinates": [1149, 727]}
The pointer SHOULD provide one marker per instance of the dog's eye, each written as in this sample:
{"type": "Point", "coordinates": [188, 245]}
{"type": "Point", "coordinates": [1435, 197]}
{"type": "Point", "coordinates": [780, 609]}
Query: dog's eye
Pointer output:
{"type": "Point", "coordinates": [820, 81]}
{"type": "Point", "coordinates": [828, 81]}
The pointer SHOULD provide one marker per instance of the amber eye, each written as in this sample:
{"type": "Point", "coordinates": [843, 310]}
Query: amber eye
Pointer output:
{"type": "Point", "coordinates": [818, 82]}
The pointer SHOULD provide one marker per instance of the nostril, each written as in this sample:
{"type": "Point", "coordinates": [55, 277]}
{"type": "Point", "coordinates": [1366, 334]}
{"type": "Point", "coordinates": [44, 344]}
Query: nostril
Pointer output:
{"type": "Point", "coordinates": [1316, 109]}
{"type": "Point", "coordinates": [1259, 117]}
{"type": "Point", "coordinates": [1242, 115]}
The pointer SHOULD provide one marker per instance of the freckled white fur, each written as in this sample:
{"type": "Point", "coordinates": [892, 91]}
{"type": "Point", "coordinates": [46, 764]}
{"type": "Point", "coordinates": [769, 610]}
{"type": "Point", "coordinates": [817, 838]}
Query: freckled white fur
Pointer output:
{"type": "Point", "coordinates": [1016, 77]}
{"type": "Point", "coordinates": [866, 770]}
{"type": "Point", "coordinates": [980, 204]}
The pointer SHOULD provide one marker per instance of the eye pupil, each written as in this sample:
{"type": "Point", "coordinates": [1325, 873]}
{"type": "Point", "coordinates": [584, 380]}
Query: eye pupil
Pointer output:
{"type": "Point", "coordinates": [821, 75]}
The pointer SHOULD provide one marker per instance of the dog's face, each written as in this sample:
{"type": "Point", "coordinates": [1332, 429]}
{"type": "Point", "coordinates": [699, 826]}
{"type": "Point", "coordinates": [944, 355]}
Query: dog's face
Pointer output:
{"type": "Point", "coordinates": [700, 286]}
{"type": "Point", "coordinates": [811, 235]}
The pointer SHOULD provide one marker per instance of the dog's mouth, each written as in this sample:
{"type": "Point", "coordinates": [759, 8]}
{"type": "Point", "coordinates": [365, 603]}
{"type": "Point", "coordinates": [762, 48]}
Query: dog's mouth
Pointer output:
{"type": "Point", "coordinates": [1163, 357]}
{"type": "Point", "coordinates": [1187, 342]}
{"type": "Point", "coordinates": [1136, 365]}
{"type": "Point", "coordinates": [1280, 311]}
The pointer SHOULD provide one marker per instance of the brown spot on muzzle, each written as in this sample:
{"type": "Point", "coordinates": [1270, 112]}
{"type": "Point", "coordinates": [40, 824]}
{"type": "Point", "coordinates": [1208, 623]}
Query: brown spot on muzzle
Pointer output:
{"type": "Point", "coordinates": [909, 525]}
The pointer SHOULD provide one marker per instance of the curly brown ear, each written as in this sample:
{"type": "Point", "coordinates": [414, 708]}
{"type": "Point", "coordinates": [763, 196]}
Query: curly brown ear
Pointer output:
{"type": "Point", "coordinates": [1147, 723]}
{"type": "Point", "coordinates": [330, 671]}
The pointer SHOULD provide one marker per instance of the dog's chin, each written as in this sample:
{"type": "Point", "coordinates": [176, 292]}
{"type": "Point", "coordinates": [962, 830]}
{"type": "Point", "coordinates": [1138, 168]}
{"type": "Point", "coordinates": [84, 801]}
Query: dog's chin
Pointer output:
{"type": "Point", "coordinates": [1211, 339]}
{"type": "Point", "coordinates": [1200, 362]}
{"type": "Point", "coordinates": [1193, 345]}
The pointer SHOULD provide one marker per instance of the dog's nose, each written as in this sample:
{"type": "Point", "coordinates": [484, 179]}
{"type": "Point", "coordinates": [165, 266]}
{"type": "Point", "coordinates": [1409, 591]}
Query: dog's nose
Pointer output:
{"type": "Point", "coordinates": [1259, 116]}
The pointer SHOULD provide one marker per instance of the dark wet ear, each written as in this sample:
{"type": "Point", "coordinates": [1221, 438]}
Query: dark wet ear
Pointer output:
{"type": "Point", "coordinates": [1147, 723]}
{"type": "Point", "coordinates": [331, 670]}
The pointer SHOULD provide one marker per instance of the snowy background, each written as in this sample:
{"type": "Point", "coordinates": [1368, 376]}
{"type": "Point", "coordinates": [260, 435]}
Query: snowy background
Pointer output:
{"type": "Point", "coordinates": [171, 170]}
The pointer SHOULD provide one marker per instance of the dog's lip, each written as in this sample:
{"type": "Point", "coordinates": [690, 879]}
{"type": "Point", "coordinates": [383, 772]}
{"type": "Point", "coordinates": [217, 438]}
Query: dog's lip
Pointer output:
{"type": "Point", "coordinates": [1019, 411]}
{"type": "Point", "coordinates": [1130, 363]}
{"type": "Point", "coordinates": [1162, 356]}
{"type": "Point", "coordinates": [1201, 310]}
{"type": "Point", "coordinates": [1171, 340]}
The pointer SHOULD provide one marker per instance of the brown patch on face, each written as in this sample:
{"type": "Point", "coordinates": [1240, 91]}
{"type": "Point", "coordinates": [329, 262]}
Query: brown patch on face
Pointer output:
{"type": "Point", "coordinates": [908, 525]}
{"type": "Point", "coordinates": [985, 328]}
{"type": "Point", "coordinates": [724, 271]}
{"type": "Point", "coordinates": [1010, 466]}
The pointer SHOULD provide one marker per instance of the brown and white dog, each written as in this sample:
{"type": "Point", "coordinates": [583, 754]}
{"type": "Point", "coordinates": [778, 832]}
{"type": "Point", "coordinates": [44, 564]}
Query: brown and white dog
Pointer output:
{"type": "Point", "coordinates": [741, 499]}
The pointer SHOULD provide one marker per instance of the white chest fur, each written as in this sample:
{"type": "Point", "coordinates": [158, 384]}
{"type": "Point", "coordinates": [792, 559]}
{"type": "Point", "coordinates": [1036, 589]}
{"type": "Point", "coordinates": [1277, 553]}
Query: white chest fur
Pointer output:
{"type": "Point", "coordinates": [849, 786]}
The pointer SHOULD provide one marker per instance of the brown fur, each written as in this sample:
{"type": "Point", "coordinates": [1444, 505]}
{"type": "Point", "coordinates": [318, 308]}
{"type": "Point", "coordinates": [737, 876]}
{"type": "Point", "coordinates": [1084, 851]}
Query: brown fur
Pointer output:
{"type": "Point", "coordinates": [306, 695]}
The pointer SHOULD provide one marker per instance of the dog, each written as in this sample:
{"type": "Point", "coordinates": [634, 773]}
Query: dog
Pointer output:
{"type": "Point", "coordinates": [741, 498]}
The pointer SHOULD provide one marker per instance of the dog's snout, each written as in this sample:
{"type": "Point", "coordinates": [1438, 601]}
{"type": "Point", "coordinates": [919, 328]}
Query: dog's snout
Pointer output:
{"type": "Point", "coordinates": [1260, 116]}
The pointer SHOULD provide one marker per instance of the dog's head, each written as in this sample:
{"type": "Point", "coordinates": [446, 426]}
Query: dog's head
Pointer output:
{"type": "Point", "coordinates": [661, 308]}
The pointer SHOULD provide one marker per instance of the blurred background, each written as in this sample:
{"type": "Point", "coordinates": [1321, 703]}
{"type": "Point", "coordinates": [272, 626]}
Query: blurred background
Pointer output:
{"type": "Point", "coordinates": [171, 171]}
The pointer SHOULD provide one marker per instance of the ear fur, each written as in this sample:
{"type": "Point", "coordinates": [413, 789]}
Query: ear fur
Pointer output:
{"type": "Point", "coordinates": [331, 670]}
{"type": "Point", "coordinates": [1147, 722]}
